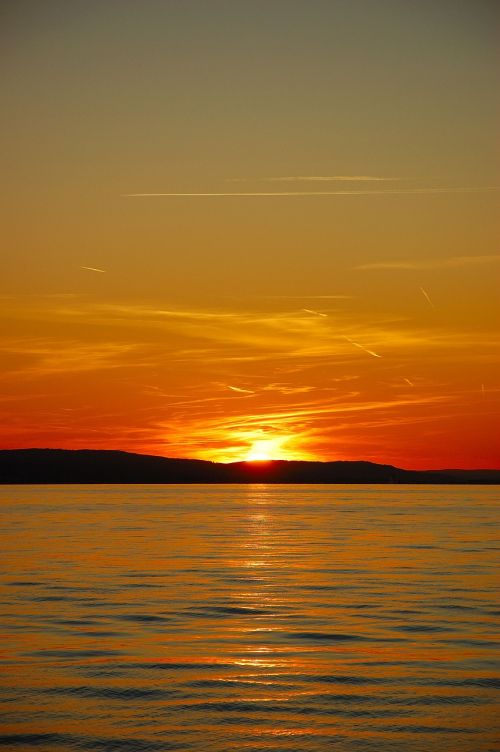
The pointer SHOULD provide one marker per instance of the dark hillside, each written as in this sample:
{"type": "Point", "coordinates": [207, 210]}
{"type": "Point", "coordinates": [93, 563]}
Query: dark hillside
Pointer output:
{"type": "Point", "coordinates": [105, 466]}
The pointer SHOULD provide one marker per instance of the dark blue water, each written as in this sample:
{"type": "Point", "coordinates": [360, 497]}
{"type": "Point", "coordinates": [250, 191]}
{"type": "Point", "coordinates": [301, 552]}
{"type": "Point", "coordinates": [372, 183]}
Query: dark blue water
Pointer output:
{"type": "Point", "coordinates": [221, 618]}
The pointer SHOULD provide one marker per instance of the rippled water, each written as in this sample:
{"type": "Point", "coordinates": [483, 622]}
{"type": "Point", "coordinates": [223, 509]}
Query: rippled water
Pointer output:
{"type": "Point", "coordinates": [284, 618]}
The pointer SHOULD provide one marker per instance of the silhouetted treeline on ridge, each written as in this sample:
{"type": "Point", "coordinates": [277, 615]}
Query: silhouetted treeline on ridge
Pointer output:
{"type": "Point", "coordinates": [107, 466]}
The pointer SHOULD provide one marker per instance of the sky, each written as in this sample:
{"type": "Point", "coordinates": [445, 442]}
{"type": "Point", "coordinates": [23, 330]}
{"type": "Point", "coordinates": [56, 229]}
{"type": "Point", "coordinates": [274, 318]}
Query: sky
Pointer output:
{"type": "Point", "coordinates": [243, 229]}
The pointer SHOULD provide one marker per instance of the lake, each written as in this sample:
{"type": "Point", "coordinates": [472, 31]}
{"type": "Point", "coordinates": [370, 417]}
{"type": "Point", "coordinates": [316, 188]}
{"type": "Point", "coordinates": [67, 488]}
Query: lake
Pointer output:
{"type": "Point", "coordinates": [252, 618]}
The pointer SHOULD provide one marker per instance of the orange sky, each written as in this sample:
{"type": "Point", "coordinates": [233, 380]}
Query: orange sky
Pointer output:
{"type": "Point", "coordinates": [354, 315]}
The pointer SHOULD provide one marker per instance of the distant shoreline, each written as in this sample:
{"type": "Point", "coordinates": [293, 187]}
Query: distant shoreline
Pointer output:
{"type": "Point", "coordinates": [102, 467]}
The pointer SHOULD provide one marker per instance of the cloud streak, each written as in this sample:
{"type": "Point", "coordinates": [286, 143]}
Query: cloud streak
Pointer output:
{"type": "Point", "coordinates": [309, 297]}
{"type": "Point", "coordinates": [230, 436]}
{"type": "Point", "coordinates": [49, 357]}
{"type": "Point", "coordinates": [315, 313]}
{"type": "Point", "coordinates": [316, 179]}
{"type": "Point", "coordinates": [440, 263]}
{"type": "Point", "coordinates": [365, 349]}
{"type": "Point", "coordinates": [211, 383]}
{"type": "Point", "coordinates": [240, 390]}
{"type": "Point", "coordinates": [222, 337]}
{"type": "Point", "coordinates": [427, 297]}
{"type": "Point", "coordinates": [312, 194]}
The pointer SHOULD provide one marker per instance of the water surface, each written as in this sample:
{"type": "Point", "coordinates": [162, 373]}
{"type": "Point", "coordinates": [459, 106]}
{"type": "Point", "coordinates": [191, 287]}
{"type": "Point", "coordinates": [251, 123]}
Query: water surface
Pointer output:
{"type": "Point", "coordinates": [222, 618]}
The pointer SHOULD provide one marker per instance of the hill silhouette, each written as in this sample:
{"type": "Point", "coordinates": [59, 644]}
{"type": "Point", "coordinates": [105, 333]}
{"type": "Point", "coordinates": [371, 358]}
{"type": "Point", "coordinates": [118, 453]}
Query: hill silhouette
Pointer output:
{"type": "Point", "coordinates": [107, 466]}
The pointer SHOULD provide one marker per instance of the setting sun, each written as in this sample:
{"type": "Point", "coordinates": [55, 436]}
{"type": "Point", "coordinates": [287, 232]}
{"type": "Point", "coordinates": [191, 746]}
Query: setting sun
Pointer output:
{"type": "Point", "coordinates": [265, 450]}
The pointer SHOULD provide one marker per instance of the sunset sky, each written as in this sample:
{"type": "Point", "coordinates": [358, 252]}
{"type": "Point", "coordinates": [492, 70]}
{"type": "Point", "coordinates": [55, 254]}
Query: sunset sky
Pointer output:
{"type": "Point", "coordinates": [239, 229]}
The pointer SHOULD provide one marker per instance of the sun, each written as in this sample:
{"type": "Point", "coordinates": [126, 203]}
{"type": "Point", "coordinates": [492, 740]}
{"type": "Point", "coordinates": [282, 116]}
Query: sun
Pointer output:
{"type": "Point", "coordinates": [265, 450]}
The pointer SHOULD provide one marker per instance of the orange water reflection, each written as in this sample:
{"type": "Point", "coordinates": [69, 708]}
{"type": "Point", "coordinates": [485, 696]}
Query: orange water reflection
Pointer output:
{"type": "Point", "coordinates": [249, 616]}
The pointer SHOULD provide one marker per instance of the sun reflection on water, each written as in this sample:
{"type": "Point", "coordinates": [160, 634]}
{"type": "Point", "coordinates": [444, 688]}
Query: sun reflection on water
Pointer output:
{"type": "Point", "coordinates": [243, 614]}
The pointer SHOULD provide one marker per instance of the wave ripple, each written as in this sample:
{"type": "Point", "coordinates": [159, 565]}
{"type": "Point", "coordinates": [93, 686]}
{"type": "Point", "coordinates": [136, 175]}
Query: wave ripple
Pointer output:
{"type": "Point", "coordinates": [266, 619]}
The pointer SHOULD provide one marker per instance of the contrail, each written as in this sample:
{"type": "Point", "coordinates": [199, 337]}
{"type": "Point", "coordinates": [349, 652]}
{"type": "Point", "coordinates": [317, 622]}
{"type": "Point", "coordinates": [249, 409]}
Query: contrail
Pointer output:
{"type": "Point", "coordinates": [309, 297]}
{"type": "Point", "coordinates": [356, 344]}
{"type": "Point", "coordinates": [314, 178]}
{"type": "Point", "coordinates": [266, 194]}
{"type": "Point", "coordinates": [426, 296]}
{"type": "Point", "coordinates": [409, 382]}
{"type": "Point", "coordinates": [93, 269]}
{"type": "Point", "coordinates": [238, 389]}
{"type": "Point", "coordinates": [315, 313]}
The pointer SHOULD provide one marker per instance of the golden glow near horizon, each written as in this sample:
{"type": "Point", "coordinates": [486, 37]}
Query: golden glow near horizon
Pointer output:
{"type": "Point", "coordinates": [217, 254]}
{"type": "Point", "coordinates": [266, 449]}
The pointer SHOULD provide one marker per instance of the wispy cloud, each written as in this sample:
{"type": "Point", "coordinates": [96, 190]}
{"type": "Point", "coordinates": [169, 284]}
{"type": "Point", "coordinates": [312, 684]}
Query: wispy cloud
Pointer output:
{"type": "Point", "coordinates": [48, 357]}
{"type": "Point", "coordinates": [289, 389]}
{"type": "Point", "coordinates": [195, 381]}
{"type": "Point", "coordinates": [316, 179]}
{"type": "Point", "coordinates": [227, 437]}
{"type": "Point", "coordinates": [312, 194]}
{"type": "Point", "coordinates": [216, 337]}
{"type": "Point", "coordinates": [439, 263]}
{"type": "Point", "coordinates": [309, 297]}
{"type": "Point", "coordinates": [240, 389]}
{"type": "Point", "coordinates": [315, 313]}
